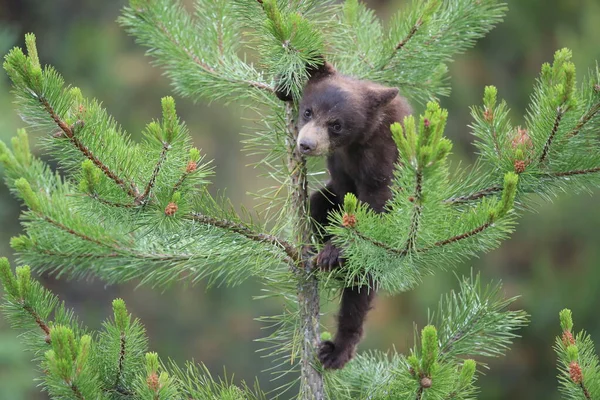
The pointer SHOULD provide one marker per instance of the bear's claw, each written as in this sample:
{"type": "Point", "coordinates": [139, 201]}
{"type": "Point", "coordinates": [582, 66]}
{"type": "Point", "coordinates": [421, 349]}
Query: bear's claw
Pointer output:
{"type": "Point", "coordinates": [332, 356]}
{"type": "Point", "coordinates": [329, 258]}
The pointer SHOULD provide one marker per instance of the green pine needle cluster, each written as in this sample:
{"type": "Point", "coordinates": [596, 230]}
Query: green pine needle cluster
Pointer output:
{"type": "Point", "coordinates": [474, 321]}
{"type": "Point", "coordinates": [578, 364]}
{"type": "Point", "coordinates": [112, 363]}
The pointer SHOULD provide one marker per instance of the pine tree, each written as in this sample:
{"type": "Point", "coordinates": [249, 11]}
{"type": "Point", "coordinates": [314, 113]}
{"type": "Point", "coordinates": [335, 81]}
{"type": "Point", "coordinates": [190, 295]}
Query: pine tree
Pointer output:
{"type": "Point", "coordinates": [121, 210]}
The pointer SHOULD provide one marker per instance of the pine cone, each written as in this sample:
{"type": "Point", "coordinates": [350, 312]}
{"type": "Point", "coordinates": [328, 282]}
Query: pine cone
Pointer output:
{"type": "Point", "coordinates": [567, 339]}
{"type": "Point", "coordinates": [349, 220]}
{"type": "Point", "coordinates": [520, 166]}
{"type": "Point", "coordinates": [575, 372]}
{"type": "Point", "coordinates": [171, 209]}
{"type": "Point", "coordinates": [191, 167]}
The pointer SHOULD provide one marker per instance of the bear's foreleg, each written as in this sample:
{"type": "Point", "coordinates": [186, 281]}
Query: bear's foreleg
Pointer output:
{"type": "Point", "coordinates": [321, 203]}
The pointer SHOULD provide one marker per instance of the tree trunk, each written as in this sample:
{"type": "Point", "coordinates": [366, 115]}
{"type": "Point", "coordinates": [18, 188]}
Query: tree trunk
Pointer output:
{"type": "Point", "coordinates": [311, 381]}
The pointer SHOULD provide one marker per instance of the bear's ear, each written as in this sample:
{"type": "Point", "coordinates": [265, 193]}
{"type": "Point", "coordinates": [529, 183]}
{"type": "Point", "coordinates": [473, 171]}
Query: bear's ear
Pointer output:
{"type": "Point", "coordinates": [380, 96]}
{"type": "Point", "coordinates": [321, 71]}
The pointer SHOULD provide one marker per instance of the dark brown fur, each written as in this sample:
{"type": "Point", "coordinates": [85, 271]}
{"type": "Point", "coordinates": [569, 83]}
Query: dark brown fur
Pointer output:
{"type": "Point", "coordinates": [360, 159]}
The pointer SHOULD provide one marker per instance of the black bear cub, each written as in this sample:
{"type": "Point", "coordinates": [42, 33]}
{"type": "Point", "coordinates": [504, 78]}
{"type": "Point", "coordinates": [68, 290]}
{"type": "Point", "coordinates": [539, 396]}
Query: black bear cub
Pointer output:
{"type": "Point", "coordinates": [348, 121]}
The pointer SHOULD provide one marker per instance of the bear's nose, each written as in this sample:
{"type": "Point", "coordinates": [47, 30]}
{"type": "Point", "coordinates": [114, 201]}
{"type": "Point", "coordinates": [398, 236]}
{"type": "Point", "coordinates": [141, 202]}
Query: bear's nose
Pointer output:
{"type": "Point", "coordinates": [306, 146]}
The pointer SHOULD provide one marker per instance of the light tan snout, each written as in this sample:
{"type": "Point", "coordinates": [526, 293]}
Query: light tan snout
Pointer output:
{"type": "Point", "coordinates": [313, 140]}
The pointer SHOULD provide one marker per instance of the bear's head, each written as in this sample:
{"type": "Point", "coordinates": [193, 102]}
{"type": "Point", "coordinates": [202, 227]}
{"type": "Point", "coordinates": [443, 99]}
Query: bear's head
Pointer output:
{"type": "Point", "coordinates": [338, 111]}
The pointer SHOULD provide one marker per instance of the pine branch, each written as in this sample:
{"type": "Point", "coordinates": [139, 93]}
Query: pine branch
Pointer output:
{"type": "Point", "coordinates": [38, 320]}
{"type": "Point", "coordinates": [130, 189]}
{"type": "Point", "coordinates": [74, 232]}
{"type": "Point", "coordinates": [587, 117]}
{"type": "Point", "coordinates": [243, 230]}
{"type": "Point", "coordinates": [492, 190]}
{"type": "Point", "coordinates": [559, 114]}
{"type": "Point", "coordinates": [416, 214]}
{"type": "Point", "coordinates": [576, 172]}
{"type": "Point", "coordinates": [460, 237]}
{"type": "Point", "coordinates": [163, 155]}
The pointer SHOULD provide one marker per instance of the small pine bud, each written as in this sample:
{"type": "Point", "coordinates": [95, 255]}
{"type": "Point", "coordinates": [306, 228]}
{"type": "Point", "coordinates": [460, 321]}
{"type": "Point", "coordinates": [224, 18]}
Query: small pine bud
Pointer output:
{"type": "Point", "coordinates": [508, 193]}
{"type": "Point", "coordinates": [520, 166]}
{"type": "Point", "coordinates": [151, 363]}
{"type": "Point", "coordinates": [429, 348]}
{"type": "Point", "coordinates": [63, 342]}
{"type": "Point", "coordinates": [85, 343]}
{"type": "Point", "coordinates": [566, 320]}
{"type": "Point", "coordinates": [350, 203]}
{"type": "Point", "coordinates": [194, 154]}
{"type": "Point", "coordinates": [122, 318]}
{"type": "Point", "coordinates": [30, 198]}
{"type": "Point", "coordinates": [349, 220]}
{"type": "Point", "coordinates": [325, 336]}
{"type": "Point", "coordinates": [467, 372]}
{"type": "Point", "coordinates": [24, 280]}
{"type": "Point", "coordinates": [597, 88]}
{"type": "Point", "coordinates": [152, 382]}
{"type": "Point", "coordinates": [191, 167]}
{"type": "Point", "coordinates": [9, 283]}
{"type": "Point", "coordinates": [426, 382]}
{"type": "Point", "coordinates": [573, 353]}
{"type": "Point", "coordinates": [411, 199]}
{"type": "Point", "coordinates": [490, 95]}
{"type": "Point", "coordinates": [171, 209]}
{"type": "Point", "coordinates": [176, 197]}
{"type": "Point", "coordinates": [169, 117]}
{"type": "Point", "coordinates": [32, 50]}
{"type": "Point", "coordinates": [575, 372]}
{"type": "Point", "coordinates": [426, 123]}
{"type": "Point", "coordinates": [567, 339]}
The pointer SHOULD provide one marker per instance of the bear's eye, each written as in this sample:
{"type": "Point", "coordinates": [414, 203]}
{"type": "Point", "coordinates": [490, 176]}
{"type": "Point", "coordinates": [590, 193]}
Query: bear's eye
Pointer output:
{"type": "Point", "coordinates": [307, 113]}
{"type": "Point", "coordinates": [336, 127]}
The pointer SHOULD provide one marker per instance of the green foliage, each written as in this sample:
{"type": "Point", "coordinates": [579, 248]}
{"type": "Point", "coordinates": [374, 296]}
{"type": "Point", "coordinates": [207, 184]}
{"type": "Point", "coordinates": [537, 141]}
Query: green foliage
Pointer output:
{"type": "Point", "coordinates": [122, 210]}
{"type": "Point", "coordinates": [578, 364]}
{"type": "Point", "coordinates": [436, 368]}
{"type": "Point", "coordinates": [112, 363]}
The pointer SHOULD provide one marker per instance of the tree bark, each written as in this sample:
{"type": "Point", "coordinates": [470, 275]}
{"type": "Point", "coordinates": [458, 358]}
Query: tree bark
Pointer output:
{"type": "Point", "coordinates": [311, 380]}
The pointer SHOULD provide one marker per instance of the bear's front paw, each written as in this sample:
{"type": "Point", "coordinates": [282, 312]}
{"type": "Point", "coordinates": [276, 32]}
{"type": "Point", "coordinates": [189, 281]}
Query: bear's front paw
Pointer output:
{"type": "Point", "coordinates": [333, 356]}
{"type": "Point", "coordinates": [329, 258]}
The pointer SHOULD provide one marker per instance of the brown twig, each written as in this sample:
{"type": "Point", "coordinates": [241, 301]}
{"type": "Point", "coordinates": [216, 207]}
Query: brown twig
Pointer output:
{"type": "Point", "coordinates": [559, 114]}
{"type": "Point", "coordinates": [586, 393]}
{"type": "Point", "coordinates": [131, 189]}
{"type": "Point", "coordinates": [38, 319]}
{"type": "Point", "coordinates": [74, 233]}
{"type": "Point", "coordinates": [474, 196]}
{"type": "Point", "coordinates": [76, 391]}
{"type": "Point", "coordinates": [576, 172]}
{"type": "Point", "coordinates": [460, 237]}
{"type": "Point", "coordinates": [404, 41]}
{"type": "Point", "coordinates": [121, 360]}
{"type": "Point", "coordinates": [111, 203]}
{"type": "Point", "coordinates": [144, 196]}
{"type": "Point", "coordinates": [243, 230]}
{"type": "Point", "coordinates": [207, 68]}
{"type": "Point", "coordinates": [416, 216]}
{"type": "Point", "coordinates": [585, 119]}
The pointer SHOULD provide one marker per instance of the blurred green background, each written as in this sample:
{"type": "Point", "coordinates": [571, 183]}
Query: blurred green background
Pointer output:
{"type": "Point", "coordinates": [552, 261]}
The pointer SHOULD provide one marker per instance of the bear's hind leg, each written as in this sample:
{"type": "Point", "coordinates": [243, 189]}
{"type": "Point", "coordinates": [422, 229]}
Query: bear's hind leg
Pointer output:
{"type": "Point", "coordinates": [356, 302]}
